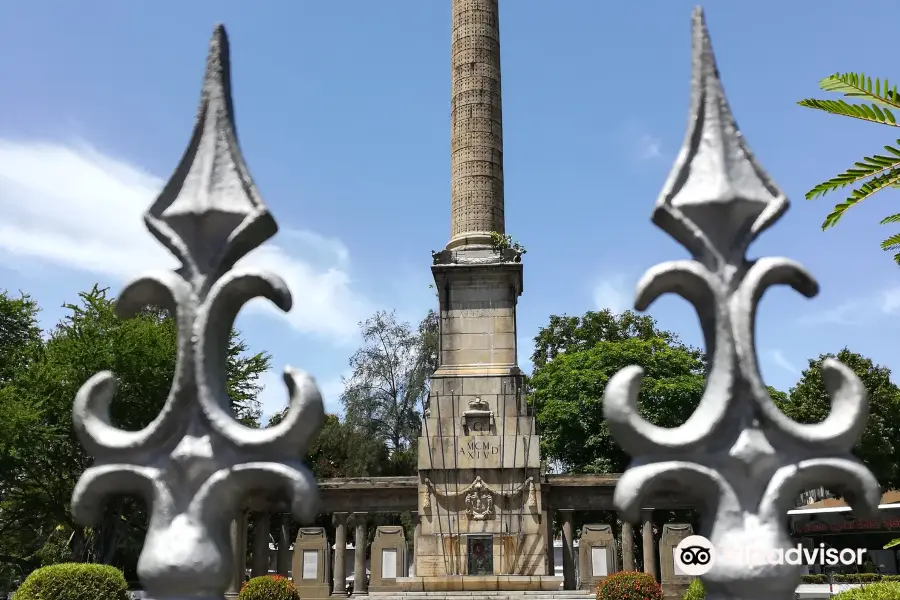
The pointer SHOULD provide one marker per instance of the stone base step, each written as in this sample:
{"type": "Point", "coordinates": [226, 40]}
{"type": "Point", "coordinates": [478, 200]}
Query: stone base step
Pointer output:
{"type": "Point", "coordinates": [560, 593]}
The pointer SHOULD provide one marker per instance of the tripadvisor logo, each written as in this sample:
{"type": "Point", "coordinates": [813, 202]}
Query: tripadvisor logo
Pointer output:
{"type": "Point", "coordinates": [695, 556]}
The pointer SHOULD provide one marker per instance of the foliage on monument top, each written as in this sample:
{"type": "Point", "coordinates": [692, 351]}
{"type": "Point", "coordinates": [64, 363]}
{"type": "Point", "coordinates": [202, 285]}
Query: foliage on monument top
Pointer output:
{"type": "Point", "coordinates": [574, 359]}
{"type": "Point", "coordinates": [74, 581]}
{"type": "Point", "coordinates": [40, 459]}
{"type": "Point", "coordinates": [871, 174]}
{"type": "Point", "coordinates": [501, 242]}
{"type": "Point", "coordinates": [389, 380]}
{"type": "Point", "coordinates": [879, 447]}
{"type": "Point", "coordinates": [269, 587]}
{"type": "Point", "coordinates": [629, 585]}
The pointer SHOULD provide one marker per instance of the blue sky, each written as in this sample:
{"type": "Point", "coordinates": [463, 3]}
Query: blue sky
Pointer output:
{"type": "Point", "coordinates": [343, 115]}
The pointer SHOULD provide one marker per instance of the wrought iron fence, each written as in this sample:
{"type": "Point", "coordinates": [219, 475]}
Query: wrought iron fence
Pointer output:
{"type": "Point", "coordinates": [739, 457]}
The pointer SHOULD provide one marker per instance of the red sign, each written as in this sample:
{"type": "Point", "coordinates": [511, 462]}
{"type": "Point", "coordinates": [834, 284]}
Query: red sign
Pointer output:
{"type": "Point", "coordinates": [854, 525]}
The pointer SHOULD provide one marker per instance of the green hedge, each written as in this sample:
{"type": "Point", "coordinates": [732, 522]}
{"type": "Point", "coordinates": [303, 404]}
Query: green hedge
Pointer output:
{"type": "Point", "coordinates": [269, 587]}
{"type": "Point", "coordinates": [695, 591]}
{"type": "Point", "coordinates": [851, 578]}
{"type": "Point", "coordinates": [884, 590]}
{"type": "Point", "coordinates": [629, 585]}
{"type": "Point", "coordinates": [74, 581]}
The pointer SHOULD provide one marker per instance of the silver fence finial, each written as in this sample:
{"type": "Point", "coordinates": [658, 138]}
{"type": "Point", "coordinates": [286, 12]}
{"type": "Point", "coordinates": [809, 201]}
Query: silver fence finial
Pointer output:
{"type": "Point", "coordinates": [194, 464]}
{"type": "Point", "coordinates": [738, 456]}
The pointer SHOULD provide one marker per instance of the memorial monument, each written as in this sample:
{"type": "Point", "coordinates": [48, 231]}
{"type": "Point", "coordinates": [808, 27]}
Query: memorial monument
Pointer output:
{"type": "Point", "coordinates": [482, 524]}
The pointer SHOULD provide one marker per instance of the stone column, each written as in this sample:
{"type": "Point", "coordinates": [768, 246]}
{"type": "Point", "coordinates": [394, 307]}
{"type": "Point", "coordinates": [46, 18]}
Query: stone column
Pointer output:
{"type": "Point", "coordinates": [340, 551]}
{"type": "Point", "coordinates": [551, 558]}
{"type": "Point", "coordinates": [239, 558]}
{"type": "Point", "coordinates": [284, 545]}
{"type": "Point", "coordinates": [359, 563]}
{"type": "Point", "coordinates": [416, 517]}
{"type": "Point", "coordinates": [568, 550]}
{"type": "Point", "coordinates": [627, 547]}
{"type": "Point", "coordinates": [476, 124]}
{"type": "Point", "coordinates": [260, 544]}
{"type": "Point", "coordinates": [648, 549]}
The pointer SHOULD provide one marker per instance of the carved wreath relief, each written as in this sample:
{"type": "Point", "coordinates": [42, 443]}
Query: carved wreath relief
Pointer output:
{"type": "Point", "coordinates": [479, 502]}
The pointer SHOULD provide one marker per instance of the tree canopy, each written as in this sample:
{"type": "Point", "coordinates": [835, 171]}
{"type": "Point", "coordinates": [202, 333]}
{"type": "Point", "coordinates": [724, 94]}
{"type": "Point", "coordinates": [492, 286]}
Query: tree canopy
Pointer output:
{"type": "Point", "coordinates": [389, 379]}
{"type": "Point", "coordinates": [40, 458]}
{"type": "Point", "coordinates": [574, 359]}
{"type": "Point", "coordinates": [879, 448]}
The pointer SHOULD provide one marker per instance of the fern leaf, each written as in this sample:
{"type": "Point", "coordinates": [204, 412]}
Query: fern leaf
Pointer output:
{"type": "Point", "coordinates": [892, 243]}
{"type": "Point", "coordinates": [857, 85]}
{"type": "Point", "coordinates": [865, 112]}
{"type": "Point", "coordinates": [871, 187]}
{"type": "Point", "coordinates": [867, 167]}
{"type": "Point", "coordinates": [890, 219]}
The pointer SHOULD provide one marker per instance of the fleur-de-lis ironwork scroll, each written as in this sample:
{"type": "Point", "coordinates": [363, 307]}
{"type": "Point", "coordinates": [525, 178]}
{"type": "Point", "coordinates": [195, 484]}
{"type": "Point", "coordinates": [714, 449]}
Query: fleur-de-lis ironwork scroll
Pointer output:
{"type": "Point", "coordinates": [738, 456]}
{"type": "Point", "coordinates": [195, 463]}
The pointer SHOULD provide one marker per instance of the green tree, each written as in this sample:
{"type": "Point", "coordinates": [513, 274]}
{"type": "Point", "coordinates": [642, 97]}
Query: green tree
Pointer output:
{"type": "Point", "coordinates": [41, 457]}
{"type": "Point", "coordinates": [20, 334]}
{"type": "Point", "coordinates": [574, 359]}
{"type": "Point", "coordinates": [871, 174]}
{"type": "Point", "coordinates": [879, 447]}
{"type": "Point", "coordinates": [340, 450]}
{"type": "Point", "coordinates": [389, 379]}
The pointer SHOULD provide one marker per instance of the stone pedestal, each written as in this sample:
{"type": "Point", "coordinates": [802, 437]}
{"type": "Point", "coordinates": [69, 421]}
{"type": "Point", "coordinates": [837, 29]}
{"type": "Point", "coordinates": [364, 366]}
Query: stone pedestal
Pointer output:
{"type": "Point", "coordinates": [597, 555]}
{"type": "Point", "coordinates": [674, 583]}
{"type": "Point", "coordinates": [388, 559]}
{"type": "Point", "coordinates": [311, 564]}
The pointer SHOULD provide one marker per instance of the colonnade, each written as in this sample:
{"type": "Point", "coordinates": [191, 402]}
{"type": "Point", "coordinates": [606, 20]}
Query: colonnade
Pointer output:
{"type": "Point", "coordinates": [343, 521]}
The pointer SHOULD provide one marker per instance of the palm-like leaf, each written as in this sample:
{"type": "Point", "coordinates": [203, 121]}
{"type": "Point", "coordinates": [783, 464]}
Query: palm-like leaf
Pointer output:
{"type": "Point", "coordinates": [873, 173]}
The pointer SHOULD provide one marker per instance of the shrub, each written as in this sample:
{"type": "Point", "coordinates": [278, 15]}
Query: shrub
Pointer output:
{"type": "Point", "coordinates": [629, 585]}
{"type": "Point", "coordinates": [74, 581]}
{"type": "Point", "coordinates": [695, 591]}
{"type": "Point", "coordinates": [269, 587]}
{"type": "Point", "coordinates": [815, 578]}
{"type": "Point", "coordinates": [885, 590]}
{"type": "Point", "coordinates": [856, 577]}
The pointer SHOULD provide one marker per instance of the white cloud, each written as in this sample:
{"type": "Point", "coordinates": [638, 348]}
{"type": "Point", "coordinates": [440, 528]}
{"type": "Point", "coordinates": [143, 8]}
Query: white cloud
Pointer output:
{"type": "Point", "coordinates": [76, 208]}
{"type": "Point", "coordinates": [778, 357]}
{"type": "Point", "coordinates": [859, 310]}
{"type": "Point", "coordinates": [649, 147]}
{"type": "Point", "coordinates": [615, 294]}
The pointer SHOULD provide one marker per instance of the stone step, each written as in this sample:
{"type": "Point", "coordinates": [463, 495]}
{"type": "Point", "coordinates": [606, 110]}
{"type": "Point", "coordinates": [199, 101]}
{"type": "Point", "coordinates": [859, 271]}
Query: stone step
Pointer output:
{"type": "Point", "coordinates": [468, 594]}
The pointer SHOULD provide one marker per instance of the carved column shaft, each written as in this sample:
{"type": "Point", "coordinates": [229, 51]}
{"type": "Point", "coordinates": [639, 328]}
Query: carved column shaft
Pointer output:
{"type": "Point", "coordinates": [239, 548]}
{"type": "Point", "coordinates": [627, 546]}
{"type": "Point", "coordinates": [551, 550]}
{"type": "Point", "coordinates": [340, 552]}
{"type": "Point", "coordinates": [476, 146]}
{"type": "Point", "coordinates": [284, 545]}
{"type": "Point", "coordinates": [359, 564]}
{"type": "Point", "coordinates": [568, 549]}
{"type": "Point", "coordinates": [648, 546]}
{"type": "Point", "coordinates": [260, 544]}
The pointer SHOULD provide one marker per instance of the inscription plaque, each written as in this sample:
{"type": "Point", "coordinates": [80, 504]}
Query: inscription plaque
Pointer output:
{"type": "Point", "coordinates": [677, 570]}
{"type": "Point", "coordinates": [310, 564]}
{"type": "Point", "coordinates": [389, 563]}
{"type": "Point", "coordinates": [480, 554]}
{"type": "Point", "coordinates": [598, 561]}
